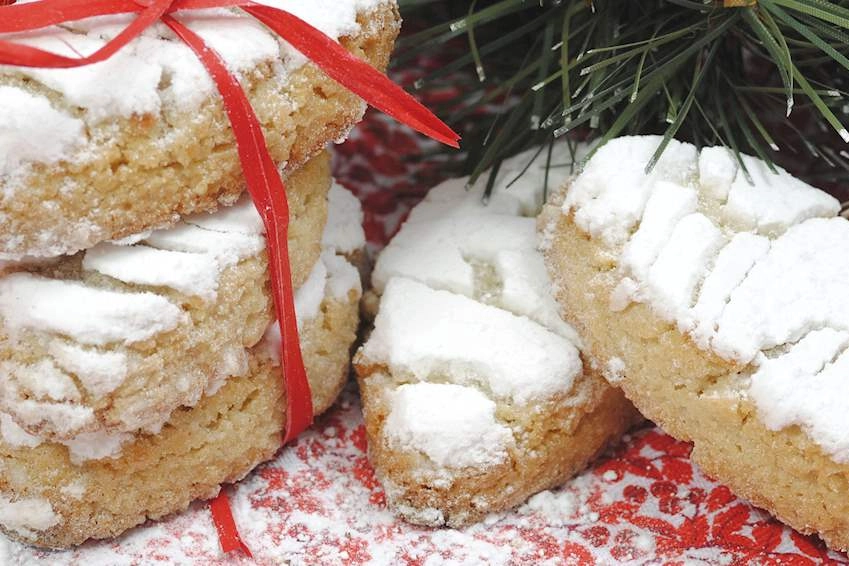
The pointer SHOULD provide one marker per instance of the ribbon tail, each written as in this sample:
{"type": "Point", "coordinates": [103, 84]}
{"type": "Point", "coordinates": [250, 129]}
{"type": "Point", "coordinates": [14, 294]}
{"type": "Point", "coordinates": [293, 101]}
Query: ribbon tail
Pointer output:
{"type": "Point", "coordinates": [269, 196]}
{"type": "Point", "coordinates": [228, 534]}
{"type": "Point", "coordinates": [355, 75]}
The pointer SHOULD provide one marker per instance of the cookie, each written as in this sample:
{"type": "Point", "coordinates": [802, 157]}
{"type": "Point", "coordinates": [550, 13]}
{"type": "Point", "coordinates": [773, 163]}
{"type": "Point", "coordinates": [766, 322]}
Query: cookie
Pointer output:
{"type": "Point", "coordinates": [475, 392]}
{"type": "Point", "coordinates": [51, 497]}
{"type": "Point", "coordinates": [715, 294]}
{"type": "Point", "coordinates": [99, 346]}
{"type": "Point", "coordinates": [156, 144]}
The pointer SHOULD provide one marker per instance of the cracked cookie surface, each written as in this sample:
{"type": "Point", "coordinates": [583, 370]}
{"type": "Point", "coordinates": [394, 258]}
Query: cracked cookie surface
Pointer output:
{"type": "Point", "coordinates": [156, 145]}
{"type": "Point", "coordinates": [475, 392]}
{"type": "Point", "coordinates": [716, 294]}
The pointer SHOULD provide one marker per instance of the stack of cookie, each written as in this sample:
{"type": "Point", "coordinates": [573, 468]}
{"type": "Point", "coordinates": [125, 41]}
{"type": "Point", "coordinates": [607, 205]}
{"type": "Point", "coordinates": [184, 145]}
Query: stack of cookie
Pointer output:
{"type": "Point", "coordinates": [138, 352]}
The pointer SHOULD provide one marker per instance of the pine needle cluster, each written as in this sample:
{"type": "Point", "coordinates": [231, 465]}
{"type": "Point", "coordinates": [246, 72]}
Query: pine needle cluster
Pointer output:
{"type": "Point", "coordinates": [764, 77]}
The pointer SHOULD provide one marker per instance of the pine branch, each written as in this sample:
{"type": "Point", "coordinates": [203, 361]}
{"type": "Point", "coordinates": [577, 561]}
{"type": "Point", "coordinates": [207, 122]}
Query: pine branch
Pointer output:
{"type": "Point", "coordinates": [768, 78]}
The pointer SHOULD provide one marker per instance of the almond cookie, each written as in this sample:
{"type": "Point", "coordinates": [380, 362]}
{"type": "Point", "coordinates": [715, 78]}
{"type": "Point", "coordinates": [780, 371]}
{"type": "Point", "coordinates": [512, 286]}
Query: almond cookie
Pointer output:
{"type": "Point", "coordinates": [475, 392]}
{"type": "Point", "coordinates": [96, 347]}
{"type": "Point", "coordinates": [58, 495]}
{"type": "Point", "coordinates": [109, 150]}
{"type": "Point", "coordinates": [716, 295]}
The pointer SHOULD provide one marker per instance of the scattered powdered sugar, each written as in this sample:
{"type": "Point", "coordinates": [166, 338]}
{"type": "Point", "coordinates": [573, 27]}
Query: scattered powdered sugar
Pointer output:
{"type": "Point", "coordinates": [454, 426]}
{"type": "Point", "coordinates": [317, 502]}
{"type": "Point", "coordinates": [556, 507]}
{"type": "Point", "coordinates": [423, 333]}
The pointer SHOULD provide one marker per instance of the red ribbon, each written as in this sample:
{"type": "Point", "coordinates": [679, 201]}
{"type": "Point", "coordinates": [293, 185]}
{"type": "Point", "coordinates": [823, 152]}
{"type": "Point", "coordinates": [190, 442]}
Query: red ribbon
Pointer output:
{"type": "Point", "coordinates": [263, 179]}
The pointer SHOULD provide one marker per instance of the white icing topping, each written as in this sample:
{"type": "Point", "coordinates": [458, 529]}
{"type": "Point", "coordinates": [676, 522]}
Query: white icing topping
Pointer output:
{"type": "Point", "coordinates": [717, 170]}
{"type": "Point", "coordinates": [771, 202]}
{"type": "Point", "coordinates": [63, 418]}
{"type": "Point", "coordinates": [241, 218]}
{"type": "Point", "coordinates": [731, 266]}
{"type": "Point", "coordinates": [344, 231]}
{"type": "Point", "coordinates": [681, 265]}
{"type": "Point", "coordinates": [666, 206]}
{"type": "Point", "coordinates": [800, 285]}
{"type": "Point", "coordinates": [332, 277]}
{"type": "Point", "coordinates": [342, 277]}
{"type": "Point", "coordinates": [91, 316]}
{"type": "Point", "coordinates": [452, 425]}
{"type": "Point", "coordinates": [423, 333]}
{"type": "Point", "coordinates": [27, 516]}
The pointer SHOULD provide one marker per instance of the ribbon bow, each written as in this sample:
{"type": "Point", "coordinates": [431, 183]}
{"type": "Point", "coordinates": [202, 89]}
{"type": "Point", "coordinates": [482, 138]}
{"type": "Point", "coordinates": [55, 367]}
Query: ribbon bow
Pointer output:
{"type": "Point", "coordinates": [263, 179]}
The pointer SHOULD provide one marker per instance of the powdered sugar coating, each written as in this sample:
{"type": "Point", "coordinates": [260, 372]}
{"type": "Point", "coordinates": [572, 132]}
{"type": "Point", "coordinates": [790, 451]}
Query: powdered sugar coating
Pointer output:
{"type": "Point", "coordinates": [757, 266]}
{"type": "Point", "coordinates": [32, 129]}
{"type": "Point", "coordinates": [25, 516]}
{"type": "Point", "coordinates": [344, 231]}
{"type": "Point", "coordinates": [91, 316]}
{"type": "Point", "coordinates": [422, 333]}
{"type": "Point", "coordinates": [454, 426]}
{"type": "Point", "coordinates": [86, 326]}
{"type": "Point", "coordinates": [150, 73]}
{"type": "Point", "coordinates": [467, 324]}
{"type": "Point", "coordinates": [454, 241]}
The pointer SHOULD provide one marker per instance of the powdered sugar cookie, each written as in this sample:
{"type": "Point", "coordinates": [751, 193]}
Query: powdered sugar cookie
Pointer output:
{"type": "Point", "coordinates": [81, 163]}
{"type": "Point", "coordinates": [99, 346]}
{"type": "Point", "coordinates": [717, 297]}
{"type": "Point", "coordinates": [59, 494]}
{"type": "Point", "coordinates": [474, 390]}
